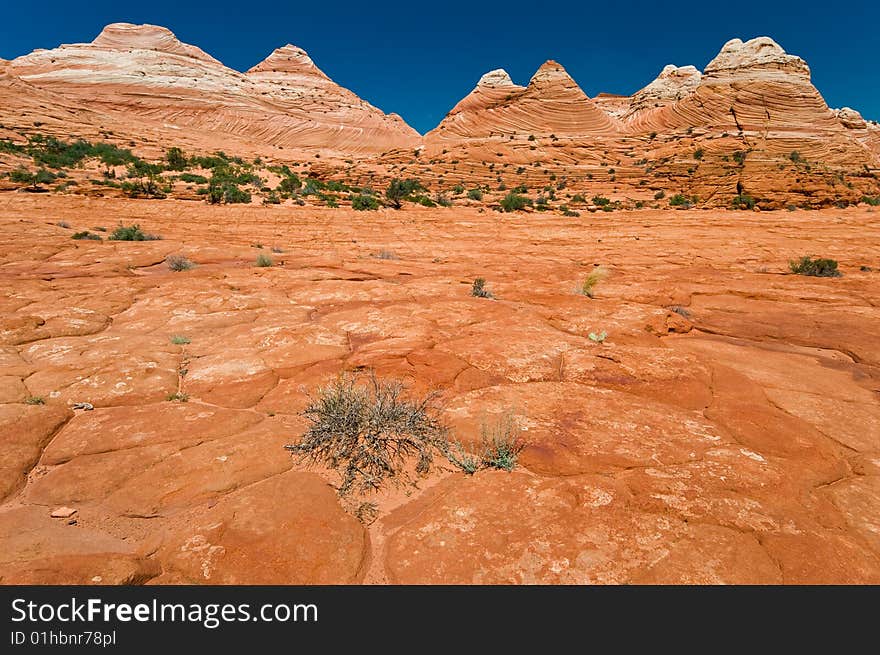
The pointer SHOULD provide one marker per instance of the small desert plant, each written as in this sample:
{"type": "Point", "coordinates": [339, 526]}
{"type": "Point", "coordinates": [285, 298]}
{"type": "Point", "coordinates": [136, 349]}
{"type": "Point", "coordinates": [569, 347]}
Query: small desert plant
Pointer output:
{"type": "Point", "coordinates": [462, 458]}
{"type": "Point", "coordinates": [598, 338]}
{"type": "Point", "coordinates": [86, 235]}
{"type": "Point", "coordinates": [593, 278]}
{"type": "Point", "coordinates": [500, 444]}
{"type": "Point", "coordinates": [680, 200]}
{"type": "Point", "coordinates": [179, 263]}
{"type": "Point", "coordinates": [698, 154]}
{"type": "Point", "coordinates": [180, 340]}
{"type": "Point", "coordinates": [513, 202]}
{"type": "Point", "coordinates": [370, 431]}
{"type": "Point", "coordinates": [795, 156]}
{"type": "Point", "coordinates": [660, 195]}
{"type": "Point", "coordinates": [386, 254]}
{"type": "Point", "coordinates": [131, 233]}
{"type": "Point", "coordinates": [263, 260]}
{"type": "Point", "coordinates": [479, 290]}
{"type": "Point", "coordinates": [475, 194]}
{"type": "Point", "coordinates": [35, 400]}
{"type": "Point", "coordinates": [179, 397]}
{"type": "Point", "coordinates": [814, 267]}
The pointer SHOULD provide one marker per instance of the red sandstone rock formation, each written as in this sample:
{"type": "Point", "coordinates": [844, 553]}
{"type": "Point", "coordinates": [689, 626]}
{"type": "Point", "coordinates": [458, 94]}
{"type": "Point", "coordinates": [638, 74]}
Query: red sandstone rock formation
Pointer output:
{"type": "Point", "coordinates": [145, 71]}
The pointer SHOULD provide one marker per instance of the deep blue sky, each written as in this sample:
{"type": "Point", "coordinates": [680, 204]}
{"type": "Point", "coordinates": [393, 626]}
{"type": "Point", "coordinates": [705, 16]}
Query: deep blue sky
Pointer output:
{"type": "Point", "coordinates": [419, 59]}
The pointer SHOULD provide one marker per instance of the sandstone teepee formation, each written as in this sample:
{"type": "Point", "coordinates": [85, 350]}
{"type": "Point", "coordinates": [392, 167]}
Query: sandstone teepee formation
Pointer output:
{"type": "Point", "coordinates": [751, 124]}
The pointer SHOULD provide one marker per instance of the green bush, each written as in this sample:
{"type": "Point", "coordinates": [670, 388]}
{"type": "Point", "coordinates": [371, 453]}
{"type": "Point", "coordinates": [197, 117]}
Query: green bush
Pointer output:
{"type": "Point", "coordinates": [87, 236]}
{"type": "Point", "coordinates": [814, 267]}
{"type": "Point", "coordinates": [475, 194]}
{"type": "Point", "coordinates": [698, 154]}
{"type": "Point", "coordinates": [680, 200]}
{"type": "Point", "coordinates": [601, 201]}
{"type": "Point", "coordinates": [263, 261]}
{"type": "Point", "coordinates": [192, 178]}
{"type": "Point", "coordinates": [363, 202]}
{"type": "Point", "coordinates": [744, 201]}
{"type": "Point", "coordinates": [514, 202]}
{"type": "Point", "coordinates": [175, 159]}
{"type": "Point", "coordinates": [130, 233]}
{"type": "Point", "coordinates": [400, 190]}
{"type": "Point", "coordinates": [868, 200]}
{"type": "Point", "coordinates": [795, 156]}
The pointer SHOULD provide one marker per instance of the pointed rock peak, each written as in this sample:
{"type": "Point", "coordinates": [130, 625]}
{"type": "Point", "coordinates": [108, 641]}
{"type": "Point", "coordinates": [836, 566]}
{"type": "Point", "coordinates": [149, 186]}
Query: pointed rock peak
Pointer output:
{"type": "Point", "coordinates": [125, 36]}
{"type": "Point", "coordinates": [761, 56]}
{"type": "Point", "coordinates": [550, 71]}
{"type": "Point", "coordinates": [288, 59]}
{"type": "Point", "coordinates": [497, 77]}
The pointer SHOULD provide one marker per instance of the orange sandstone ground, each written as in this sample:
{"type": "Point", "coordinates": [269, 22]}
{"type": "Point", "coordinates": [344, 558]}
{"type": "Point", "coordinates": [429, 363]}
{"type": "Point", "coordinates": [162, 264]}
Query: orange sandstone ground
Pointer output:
{"type": "Point", "coordinates": [736, 440]}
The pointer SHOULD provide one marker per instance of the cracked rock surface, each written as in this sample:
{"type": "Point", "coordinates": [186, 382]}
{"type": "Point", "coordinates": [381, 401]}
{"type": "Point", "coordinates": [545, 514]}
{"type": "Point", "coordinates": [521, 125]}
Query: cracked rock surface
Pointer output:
{"type": "Point", "coordinates": [727, 430]}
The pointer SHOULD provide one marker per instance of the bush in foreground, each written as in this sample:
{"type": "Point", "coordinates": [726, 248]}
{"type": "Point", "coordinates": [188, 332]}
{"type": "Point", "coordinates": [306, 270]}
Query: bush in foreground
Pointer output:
{"type": "Point", "coordinates": [370, 431]}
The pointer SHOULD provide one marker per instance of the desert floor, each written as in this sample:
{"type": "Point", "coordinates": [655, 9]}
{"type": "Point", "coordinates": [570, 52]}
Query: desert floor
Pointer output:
{"type": "Point", "coordinates": [735, 439]}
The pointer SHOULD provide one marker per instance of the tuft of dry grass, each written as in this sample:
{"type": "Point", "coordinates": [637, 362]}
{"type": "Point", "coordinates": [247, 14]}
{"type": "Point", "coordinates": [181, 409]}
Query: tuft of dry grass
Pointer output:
{"type": "Point", "coordinates": [595, 276]}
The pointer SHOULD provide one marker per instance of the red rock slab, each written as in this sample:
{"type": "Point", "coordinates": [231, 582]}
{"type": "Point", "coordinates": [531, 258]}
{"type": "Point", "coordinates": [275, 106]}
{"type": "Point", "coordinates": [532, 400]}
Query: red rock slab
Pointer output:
{"type": "Point", "coordinates": [822, 388]}
{"type": "Point", "coordinates": [859, 500]}
{"type": "Point", "coordinates": [106, 369]}
{"type": "Point", "coordinates": [712, 555]}
{"type": "Point", "coordinates": [24, 432]}
{"type": "Point", "coordinates": [571, 428]}
{"type": "Point", "coordinates": [36, 549]}
{"type": "Point", "coordinates": [292, 395]}
{"type": "Point", "coordinates": [234, 378]}
{"type": "Point", "coordinates": [338, 292]}
{"type": "Point", "coordinates": [123, 428]}
{"type": "Point", "coordinates": [288, 529]}
{"type": "Point", "coordinates": [845, 326]}
{"type": "Point", "coordinates": [661, 373]}
{"type": "Point", "coordinates": [521, 352]}
{"type": "Point", "coordinates": [208, 470]}
{"type": "Point", "coordinates": [513, 528]}
{"type": "Point", "coordinates": [12, 389]}
{"type": "Point", "coordinates": [822, 557]}
{"type": "Point", "coordinates": [11, 363]}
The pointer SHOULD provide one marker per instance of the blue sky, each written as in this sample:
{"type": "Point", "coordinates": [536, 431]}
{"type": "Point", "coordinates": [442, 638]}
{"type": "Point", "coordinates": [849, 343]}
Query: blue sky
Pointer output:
{"type": "Point", "coordinates": [419, 59]}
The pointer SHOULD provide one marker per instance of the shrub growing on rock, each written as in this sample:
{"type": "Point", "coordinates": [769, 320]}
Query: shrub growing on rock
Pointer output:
{"type": "Point", "coordinates": [479, 290]}
{"type": "Point", "coordinates": [514, 202]}
{"type": "Point", "coordinates": [179, 263]}
{"type": "Point", "coordinates": [370, 431]}
{"type": "Point", "coordinates": [814, 267]}
{"type": "Point", "coordinates": [364, 202]}
{"type": "Point", "coordinates": [85, 236]}
{"type": "Point", "coordinates": [131, 233]}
